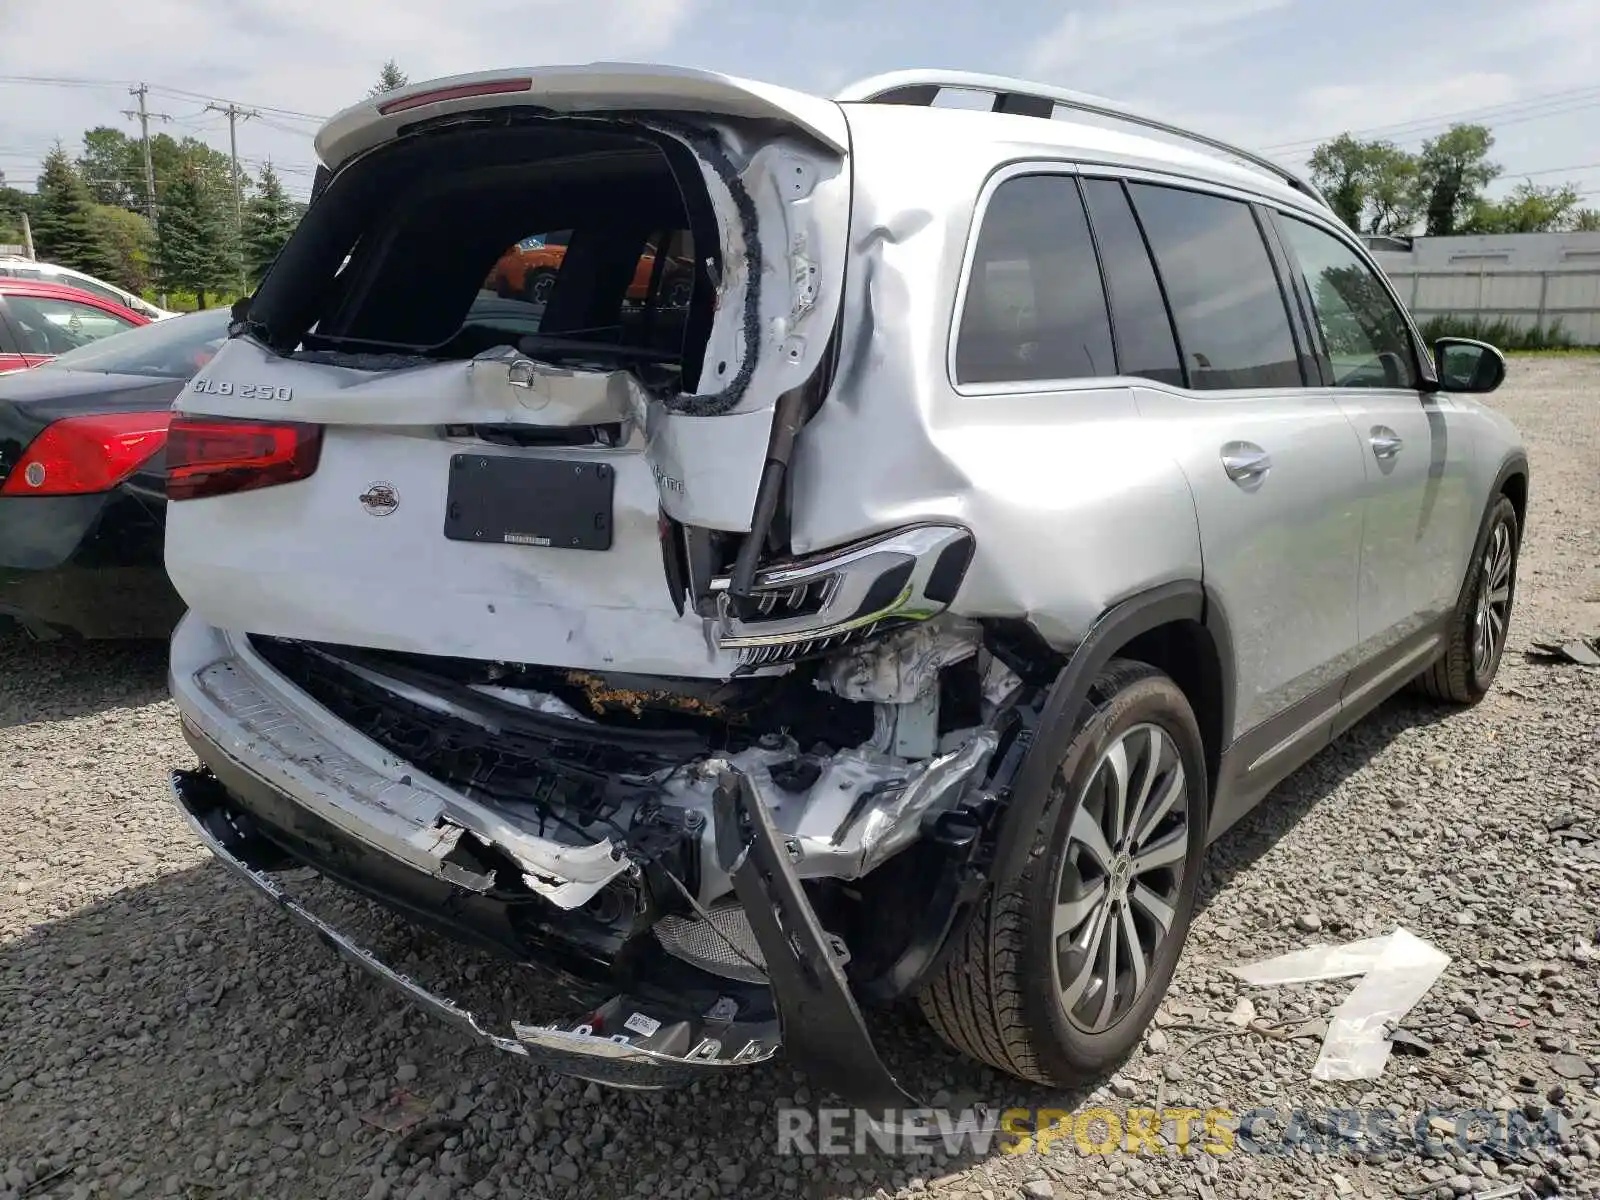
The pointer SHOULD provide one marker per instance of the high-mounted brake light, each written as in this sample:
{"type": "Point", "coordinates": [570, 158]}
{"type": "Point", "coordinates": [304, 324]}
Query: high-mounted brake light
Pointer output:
{"type": "Point", "coordinates": [461, 91]}
{"type": "Point", "coordinates": [215, 456]}
{"type": "Point", "coordinates": [76, 456]}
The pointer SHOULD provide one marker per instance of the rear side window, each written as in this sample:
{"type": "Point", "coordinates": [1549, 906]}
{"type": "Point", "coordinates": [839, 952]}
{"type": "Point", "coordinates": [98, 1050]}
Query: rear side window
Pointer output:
{"type": "Point", "coordinates": [1225, 297]}
{"type": "Point", "coordinates": [1035, 307]}
{"type": "Point", "coordinates": [1367, 340]}
{"type": "Point", "coordinates": [1145, 345]}
{"type": "Point", "coordinates": [51, 326]}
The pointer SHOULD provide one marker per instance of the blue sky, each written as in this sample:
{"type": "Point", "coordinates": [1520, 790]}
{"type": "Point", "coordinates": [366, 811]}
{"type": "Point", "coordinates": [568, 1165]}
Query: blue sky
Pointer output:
{"type": "Point", "coordinates": [1275, 75]}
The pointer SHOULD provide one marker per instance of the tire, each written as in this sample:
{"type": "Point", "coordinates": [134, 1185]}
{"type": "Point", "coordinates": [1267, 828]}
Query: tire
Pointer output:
{"type": "Point", "coordinates": [1465, 671]}
{"type": "Point", "coordinates": [1000, 996]}
{"type": "Point", "coordinates": [538, 287]}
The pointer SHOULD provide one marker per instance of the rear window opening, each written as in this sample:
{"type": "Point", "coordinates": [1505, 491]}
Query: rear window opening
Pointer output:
{"type": "Point", "coordinates": [588, 244]}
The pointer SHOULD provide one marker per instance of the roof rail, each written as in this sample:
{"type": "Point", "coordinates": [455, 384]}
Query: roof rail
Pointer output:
{"type": "Point", "coordinates": [922, 87]}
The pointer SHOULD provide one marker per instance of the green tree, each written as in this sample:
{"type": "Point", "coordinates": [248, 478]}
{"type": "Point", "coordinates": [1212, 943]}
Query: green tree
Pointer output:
{"type": "Point", "coordinates": [1528, 209]}
{"type": "Point", "coordinates": [112, 166]}
{"type": "Point", "coordinates": [269, 219]}
{"type": "Point", "coordinates": [64, 230]}
{"type": "Point", "coordinates": [1452, 171]}
{"type": "Point", "coordinates": [13, 203]}
{"type": "Point", "coordinates": [1586, 220]}
{"type": "Point", "coordinates": [192, 244]}
{"type": "Point", "coordinates": [390, 78]}
{"type": "Point", "coordinates": [132, 243]}
{"type": "Point", "coordinates": [1371, 186]}
{"type": "Point", "coordinates": [1392, 189]}
{"type": "Point", "coordinates": [1339, 169]}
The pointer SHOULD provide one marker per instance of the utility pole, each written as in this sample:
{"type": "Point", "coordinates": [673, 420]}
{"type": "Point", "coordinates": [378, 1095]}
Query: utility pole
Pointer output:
{"type": "Point", "coordinates": [234, 113]}
{"type": "Point", "coordinates": [144, 116]}
{"type": "Point", "coordinates": [27, 237]}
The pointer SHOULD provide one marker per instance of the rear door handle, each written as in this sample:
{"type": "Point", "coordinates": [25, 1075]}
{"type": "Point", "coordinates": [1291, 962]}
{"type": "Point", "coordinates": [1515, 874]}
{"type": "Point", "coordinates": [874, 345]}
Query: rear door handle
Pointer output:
{"type": "Point", "coordinates": [1385, 442]}
{"type": "Point", "coordinates": [1245, 462]}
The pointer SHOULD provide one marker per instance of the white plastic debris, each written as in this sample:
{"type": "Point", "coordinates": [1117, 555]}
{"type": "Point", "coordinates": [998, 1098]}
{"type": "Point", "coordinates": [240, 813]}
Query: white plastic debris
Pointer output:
{"type": "Point", "coordinates": [1396, 971]}
{"type": "Point", "coordinates": [1315, 963]}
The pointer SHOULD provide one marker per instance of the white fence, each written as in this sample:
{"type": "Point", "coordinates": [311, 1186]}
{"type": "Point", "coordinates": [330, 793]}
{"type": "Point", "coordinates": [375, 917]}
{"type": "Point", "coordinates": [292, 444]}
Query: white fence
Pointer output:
{"type": "Point", "coordinates": [1524, 279]}
{"type": "Point", "coordinates": [1524, 298]}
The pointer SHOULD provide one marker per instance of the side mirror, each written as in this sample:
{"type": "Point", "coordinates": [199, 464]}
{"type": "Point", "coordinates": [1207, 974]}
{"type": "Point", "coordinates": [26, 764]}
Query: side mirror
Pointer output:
{"type": "Point", "coordinates": [1465, 365]}
{"type": "Point", "coordinates": [238, 315]}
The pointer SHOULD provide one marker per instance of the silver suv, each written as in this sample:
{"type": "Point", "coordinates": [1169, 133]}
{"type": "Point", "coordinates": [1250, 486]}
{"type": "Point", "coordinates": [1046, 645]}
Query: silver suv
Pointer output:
{"type": "Point", "coordinates": [897, 540]}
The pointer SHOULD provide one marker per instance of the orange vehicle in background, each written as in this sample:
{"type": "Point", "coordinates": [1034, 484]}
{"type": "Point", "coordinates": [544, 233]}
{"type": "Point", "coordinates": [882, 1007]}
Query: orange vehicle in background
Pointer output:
{"type": "Point", "coordinates": [527, 271]}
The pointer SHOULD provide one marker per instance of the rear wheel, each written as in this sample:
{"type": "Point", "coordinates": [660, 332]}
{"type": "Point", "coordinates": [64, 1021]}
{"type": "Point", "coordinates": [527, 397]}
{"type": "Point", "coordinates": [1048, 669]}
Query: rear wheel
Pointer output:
{"type": "Point", "coordinates": [1058, 975]}
{"type": "Point", "coordinates": [1477, 633]}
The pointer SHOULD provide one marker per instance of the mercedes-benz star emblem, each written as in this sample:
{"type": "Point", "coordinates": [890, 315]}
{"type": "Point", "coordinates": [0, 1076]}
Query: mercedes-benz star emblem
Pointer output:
{"type": "Point", "coordinates": [380, 499]}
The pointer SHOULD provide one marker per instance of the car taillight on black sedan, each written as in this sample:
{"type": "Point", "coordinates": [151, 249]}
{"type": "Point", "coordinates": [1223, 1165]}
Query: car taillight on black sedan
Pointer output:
{"type": "Point", "coordinates": [215, 456]}
{"type": "Point", "coordinates": [81, 455]}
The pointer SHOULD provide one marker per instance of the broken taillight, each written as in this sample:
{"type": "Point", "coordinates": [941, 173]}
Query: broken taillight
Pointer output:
{"type": "Point", "coordinates": [215, 456]}
{"type": "Point", "coordinates": [79, 455]}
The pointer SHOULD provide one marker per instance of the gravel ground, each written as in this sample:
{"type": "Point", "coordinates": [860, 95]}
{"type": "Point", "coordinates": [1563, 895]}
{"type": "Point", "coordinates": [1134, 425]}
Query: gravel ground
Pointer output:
{"type": "Point", "coordinates": [162, 1033]}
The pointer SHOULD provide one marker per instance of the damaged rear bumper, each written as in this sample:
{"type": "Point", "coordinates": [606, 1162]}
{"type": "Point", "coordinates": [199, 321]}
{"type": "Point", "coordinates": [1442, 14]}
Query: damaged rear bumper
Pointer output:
{"type": "Point", "coordinates": [285, 782]}
{"type": "Point", "coordinates": [630, 1042]}
{"type": "Point", "coordinates": [622, 1043]}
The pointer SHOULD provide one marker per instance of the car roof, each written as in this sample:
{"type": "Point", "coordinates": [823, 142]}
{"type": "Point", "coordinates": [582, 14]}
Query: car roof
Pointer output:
{"type": "Point", "coordinates": [993, 138]}
{"type": "Point", "coordinates": [57, 291]}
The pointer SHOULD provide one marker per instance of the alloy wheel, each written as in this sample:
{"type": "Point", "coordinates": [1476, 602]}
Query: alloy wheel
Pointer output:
{"type": "Point", "coordinates": [1121, 877]}
{"type": "Point", "coordinates": [1494, 602]}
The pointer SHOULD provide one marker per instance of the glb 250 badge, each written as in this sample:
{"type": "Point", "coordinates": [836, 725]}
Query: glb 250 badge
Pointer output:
{"type": "Point", "coordinates": [244, 391]}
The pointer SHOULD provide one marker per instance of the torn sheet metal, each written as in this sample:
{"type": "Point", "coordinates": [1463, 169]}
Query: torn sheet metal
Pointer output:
{"type": "Point", "coordinates": [902, 667]}
{"type": "Point", "coordinates": [412, 818]}
{"type": "Point", "coordinates": [560, 395]}
{"type": "Point", "coordinates": [1396, 971]}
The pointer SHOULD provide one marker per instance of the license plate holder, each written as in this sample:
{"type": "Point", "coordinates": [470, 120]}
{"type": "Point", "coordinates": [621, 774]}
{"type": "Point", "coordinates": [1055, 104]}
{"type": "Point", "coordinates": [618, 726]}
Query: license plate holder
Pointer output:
{"type": "Point", "coordinates": [511, 500]}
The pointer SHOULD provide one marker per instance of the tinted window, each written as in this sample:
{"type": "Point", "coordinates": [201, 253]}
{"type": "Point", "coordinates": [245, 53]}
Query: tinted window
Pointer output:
{"type": "Point", "coordinates": [94, 289]}
{"type": "Point", "coordinates": [1365, 337]}
{"type": "Point", "coordinates": [1225, 297]}
{"type": "Point", "coordinates": [171, 349]}
{"type": "Point", "coordinates": [1145, 345]}
{"type": "Point", "coordinates": [50, 326]}
{"type": "Point", "coordinates": [1035, 307]}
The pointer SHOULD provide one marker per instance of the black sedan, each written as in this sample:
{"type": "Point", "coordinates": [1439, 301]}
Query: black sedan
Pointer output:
{"type": "Point", "coordinates": [82, 493]}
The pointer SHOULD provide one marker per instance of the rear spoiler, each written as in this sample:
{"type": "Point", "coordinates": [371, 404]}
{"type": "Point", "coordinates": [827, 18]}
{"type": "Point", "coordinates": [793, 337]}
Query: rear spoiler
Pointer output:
{"type": "Point", "coordinates": [590, 88]}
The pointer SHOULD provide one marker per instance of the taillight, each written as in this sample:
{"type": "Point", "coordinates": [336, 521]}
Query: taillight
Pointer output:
{"type": "Point", "coordinates": [214, 456]}
{"type": "Point", "coordinates": [79, 455]}
{"type": "Point", "coordinates": [460, 91]}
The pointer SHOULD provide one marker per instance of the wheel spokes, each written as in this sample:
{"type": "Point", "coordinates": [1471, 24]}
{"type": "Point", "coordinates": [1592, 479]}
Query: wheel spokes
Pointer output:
{"type": "Point", "coordinates": [1150, 761]}
{"type": "Point", "coordinates": [1171, 789]}
{"type": "Point", "coordinates": [1170, 849]}
{"type": "Point", "coordinates": [1087, 833]}
{"type": "Point", "coordinates": [1086, 955]}
{"type": "Point", "coordinates": [1158, 909]}
{"type": "Point", "coordinates": [1071, 914]}
{"type": "Point", "coordinates": [1136, 949]}
{"type": "Point", "coordinates": [1117, 772]}
{"type": "Point", "coordinates": [1108, 970]}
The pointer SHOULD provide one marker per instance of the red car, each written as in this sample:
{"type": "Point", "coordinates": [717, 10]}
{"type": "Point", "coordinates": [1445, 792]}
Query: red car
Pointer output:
{"type": "Point", "coordinates": [41, 320]}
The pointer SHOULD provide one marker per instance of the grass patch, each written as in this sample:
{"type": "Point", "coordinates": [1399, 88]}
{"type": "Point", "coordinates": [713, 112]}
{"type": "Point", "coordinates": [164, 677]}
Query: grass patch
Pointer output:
{"type": "Point", "coordinates": [1505, 334]}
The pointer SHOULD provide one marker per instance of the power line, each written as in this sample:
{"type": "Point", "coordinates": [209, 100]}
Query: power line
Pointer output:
{"type": "Point", "coordinates": [160, 89]}
{"type": "Point", "coordinates": [1510, 112]}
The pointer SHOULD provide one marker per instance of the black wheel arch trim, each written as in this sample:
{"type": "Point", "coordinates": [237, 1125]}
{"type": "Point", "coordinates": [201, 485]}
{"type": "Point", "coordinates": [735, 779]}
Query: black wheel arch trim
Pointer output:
{"type": "Point", "coordinates": [1180, 600]}
{"type": "Point", "coordinates": [1515, 463]}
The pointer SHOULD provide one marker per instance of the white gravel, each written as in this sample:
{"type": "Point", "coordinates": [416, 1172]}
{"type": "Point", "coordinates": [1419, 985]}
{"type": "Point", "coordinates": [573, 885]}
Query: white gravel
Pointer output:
{"type": "Point", "coordinates": [162, 1033]}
